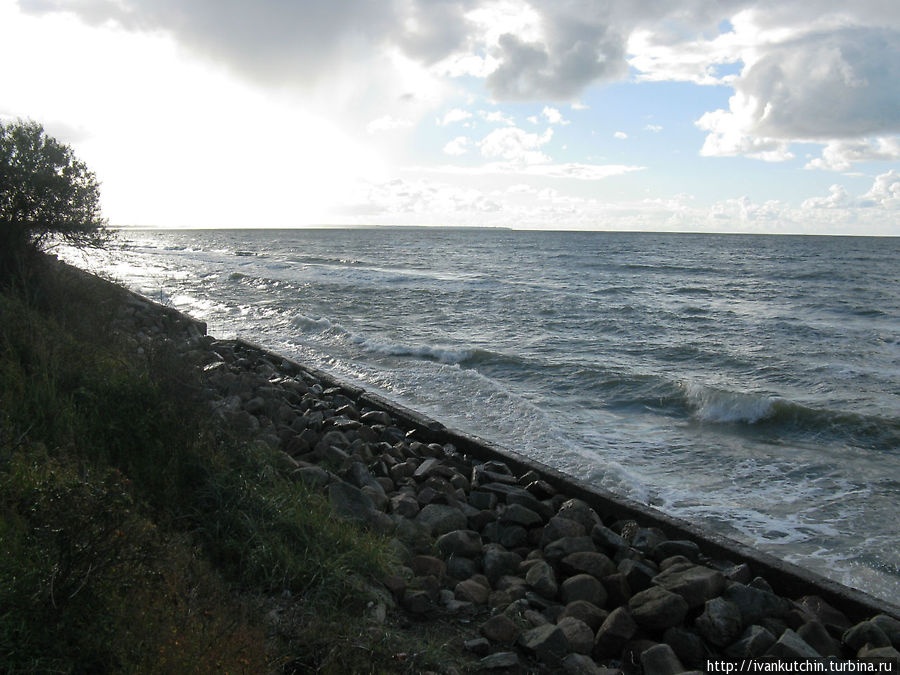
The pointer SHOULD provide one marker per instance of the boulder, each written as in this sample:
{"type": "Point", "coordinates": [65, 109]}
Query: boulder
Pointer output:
{"type": "Point", "coordinates": [500, 628]}
{"type": "Point", "coordinates": [656, 609]}
{"type": "Point", "coordinates": [547, 643]}
{"type": "Point", "coordinates": [618, 628]}
{"type": "Point", "coordinates": [753, 643]}
{"type": "Point", "coordinates": [865, 633]}
{"type": "Point", "coordinates": [720, 623]}
{"type": "Point", "coordinates": [441, 518]}
{"type": "Point", "coordinates": [588, 562]}
{"type": "Point", "coordinates": [541, 578]}
{"type": "Point", "coordinates": [578, 634]}
{"type": "Point", "coordinates": [660, 660]}
{"type": "Point", "coordinates": [350, 502]}
{"type": "Point", "coordinates": [583, 587]}
{"type": "Point", "coordinates": [584, 611]}
{"type": "Point", "coordinates": [466, 543]}
{"type": "Point", "coordinates": [791, 647]}
{"type": "Point", "coordinates": [696, 584]}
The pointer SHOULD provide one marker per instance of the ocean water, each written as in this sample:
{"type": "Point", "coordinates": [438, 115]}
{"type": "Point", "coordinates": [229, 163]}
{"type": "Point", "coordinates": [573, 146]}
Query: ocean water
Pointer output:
{"type": "Point", "coordinates": [750, 384]}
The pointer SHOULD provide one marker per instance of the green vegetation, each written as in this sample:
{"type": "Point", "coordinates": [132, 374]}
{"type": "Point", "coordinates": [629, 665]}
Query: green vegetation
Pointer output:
{"type": "Point", "coordinates": [136, 537]}
{"type": "Point", "coordinates": [46, 193]}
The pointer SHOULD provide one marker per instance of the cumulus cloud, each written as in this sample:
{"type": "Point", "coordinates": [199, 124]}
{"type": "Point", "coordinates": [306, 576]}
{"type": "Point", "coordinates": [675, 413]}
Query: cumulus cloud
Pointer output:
{"type": "Point", "coordinates": [553, 116]}
{"type": "Point", "coordinates": [620, 135]}
{"type": "Point", "coordinates": [455, 115]}
{"type": "Point", "coordinates": [840, 155]}
{"type": "Point", "coordinates": [387, 123]}
{"type": "Point", "coordinates": [458, 146]}
{"type": "Point", "coordinates": [885, 194]}
{"type": "Point", "coordinates": [514, 144]}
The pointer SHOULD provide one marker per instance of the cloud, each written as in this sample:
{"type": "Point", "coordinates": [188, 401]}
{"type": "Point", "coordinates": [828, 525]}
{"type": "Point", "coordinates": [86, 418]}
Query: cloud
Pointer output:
{"type": "Point", "coordinates": [516, 145]}
{"type": "Point", "coordinates": [455, 115]}
{"type": "Point", "coordinates": [885, 194]}
{"type": "Point", "coordinates": [387, 123]}
{"type": "Point", "coordinates": [620, 135]}
{"type": "Point", "coordinates": [458, 146]}
{"type": "Point", "coordinates": [553, 116]}
{"type": "Point", "coordinates": [496, 117]}
{"type": "Point", "coordinates": [653, 128]}
{"type": "Point", "coordinates": [840, 155]}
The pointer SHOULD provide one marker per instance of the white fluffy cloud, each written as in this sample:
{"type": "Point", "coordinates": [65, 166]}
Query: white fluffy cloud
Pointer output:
{"type": "Point", "coordinates": [885, 194]}
{"type": "Point", "coordinates": [840, 155]}
{"type": "Point", "coordinates": [458, 146]}
{"type": "Point", "coordinates": [515, 145]}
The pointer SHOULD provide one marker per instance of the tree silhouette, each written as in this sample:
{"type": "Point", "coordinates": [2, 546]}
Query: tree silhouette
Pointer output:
{"type": "Point", "coordinates": [47, 195]}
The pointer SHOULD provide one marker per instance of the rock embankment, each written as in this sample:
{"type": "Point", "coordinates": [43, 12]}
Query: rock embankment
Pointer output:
{"type": "Point", "coordinates": [543, 580]}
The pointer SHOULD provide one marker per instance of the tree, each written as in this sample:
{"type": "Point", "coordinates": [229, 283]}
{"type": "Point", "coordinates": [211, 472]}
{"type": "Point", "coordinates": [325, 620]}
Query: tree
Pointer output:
{"type": "Point", "coordinates": [46, 195]}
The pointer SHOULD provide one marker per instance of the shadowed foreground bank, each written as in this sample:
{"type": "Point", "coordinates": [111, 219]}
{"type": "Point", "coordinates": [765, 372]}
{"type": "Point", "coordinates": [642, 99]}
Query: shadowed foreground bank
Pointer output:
{"type": "Point", "coordinates": [168, 504]}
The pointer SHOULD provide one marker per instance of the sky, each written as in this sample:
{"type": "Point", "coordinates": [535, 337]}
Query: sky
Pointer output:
{"type": "Point", "coordinates": [777, 116]}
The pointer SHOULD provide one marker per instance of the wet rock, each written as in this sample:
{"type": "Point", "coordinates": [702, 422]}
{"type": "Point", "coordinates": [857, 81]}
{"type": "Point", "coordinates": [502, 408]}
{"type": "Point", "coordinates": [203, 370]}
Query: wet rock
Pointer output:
{"type": "Point", "coordinates": [754, 604]}
{"type": "Point", "coordinates": [585, 611]}
{"type": "Point", "coordinates": [484, 501]}
{"type": "Point", "coordinates": [646, 538]}
{"type": "Point", "coordinates": [753, 643]}
{"type": "Point", "coordinates": [890, 626]}
{"type": "Point", "coordinates": [656, 609]}
{"type": "Point", "coordinates": [350, 502]}
{"type": "Point", "coordinates": [558, 549]}
{"type": "Point", "coordinates": [720, 623]}
{"type": "Point", "coordinates": [497, 562]}
{"type": "Point", "coordinates": [441, 518]}
{"type": "Point", "coordinates": [816, 608]}
{"type": "Point", "coordinates": [660, 660]}
{"type": "Point", "coordinates": [478, 646]}
{"type": "Point", "coordinates": [547, 643]}
{"type": "Point", "coordinates": [888, 654]}
{"type": "Point", "coordinates": [606, 539]}
{"type": "Point", "coordinates": [541, 578]}
{"type": "Point", "coordinates": [638, 574]}
{"type": "Point", "coordinates": [791, 646]}
{"type": "Point", "coordinates": [500, 628]}
{"type": "Point", "coordinates": [578, 634]}
{"type": "Point", "coordinates": [580, 512]}
{"type": "Point", "coordinates": [583, 587]}
{"type": "Point", "coordinates": [682, 547]}
{"type": "Point", "coordinates": [499, 660]}
{"type": "Point", "coordinates": [865, 633]}
{"type": "Point", "coordinates": [466, 543]}
{"type": "Point", "coordinates": [516, 514]}
{"type": "Point", "coordinates": [472, 591]}
{"type": "Point", "coordinates": [512, 536]}
{"type": "Point", "coordinates": [816, 636]}
{"type": "Point", "coordinates": [580, 664]}
{"type": "Point", "coordinates": [404, 504]}
{"type": "Point", "coordinates": [558, 527]}
{"type": "Point", "coordinates": [613, 634]}
{"type": "Point", "coordinates": [376, 417]}
{"type": "Point", "coordinates": [696, 584]}
{"type": "Point", "coordinates": [617, 589]}
{"type": "Point", "coordinates": [588, 562]}
{"type": "Point", "coordinates": [460, 568]}
{"type": "Point", "coordinates": [428, 565]}
{"type": "Point", "coordinates": [688, 646]}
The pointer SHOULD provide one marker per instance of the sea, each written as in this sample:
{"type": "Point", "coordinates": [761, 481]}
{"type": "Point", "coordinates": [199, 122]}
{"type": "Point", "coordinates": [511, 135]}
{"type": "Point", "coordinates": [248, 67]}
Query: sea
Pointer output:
{"type": "Point", "coordinates": [749, 384]}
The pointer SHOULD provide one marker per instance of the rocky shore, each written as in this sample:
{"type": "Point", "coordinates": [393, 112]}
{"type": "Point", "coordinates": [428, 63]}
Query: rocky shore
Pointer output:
{"type": "Point", "coordinates": [535, 578]}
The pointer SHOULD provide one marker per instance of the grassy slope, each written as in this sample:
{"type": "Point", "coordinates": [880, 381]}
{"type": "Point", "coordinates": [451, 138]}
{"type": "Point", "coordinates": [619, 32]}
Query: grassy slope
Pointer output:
{"type": "Point", "coordinates": [135, 538]}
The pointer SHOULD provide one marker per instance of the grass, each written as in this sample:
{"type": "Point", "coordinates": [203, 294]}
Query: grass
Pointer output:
{"type": "Point", "coordinates": [136, 537]}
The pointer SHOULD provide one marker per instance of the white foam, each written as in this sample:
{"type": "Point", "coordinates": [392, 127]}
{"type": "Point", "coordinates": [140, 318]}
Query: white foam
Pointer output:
{"type": "Point", "coordinates": [716, 405]}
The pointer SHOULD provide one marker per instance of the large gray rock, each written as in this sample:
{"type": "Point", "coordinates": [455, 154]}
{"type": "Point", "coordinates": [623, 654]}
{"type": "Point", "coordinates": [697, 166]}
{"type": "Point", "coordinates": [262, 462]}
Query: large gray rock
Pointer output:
{"type": "Point", "coordinates": [656, 608]}
{"type": "Point", "coordinates": [696, 584]}
{"type": "Point", "coordinates": [613, 634]}
{"type": "Point", "coordinates": [441, 518]}
{"type": "Point", "coordinates": [556, 550]}
{"type": "Point", "coordinates": [865, 633]}
{"type": "Point", "coordinates": [578, 633]}
{"type": "Point", "coordinates": [583, 610]}
{"type": "Point", "coordinates": [542, 579]}
{"type": "Point", "coordinates": [499, 660]}
{"type": "Point", "coordinates": [465, 543]}
{"type": "Point", "coordinates": [890, 626]}
{"type": "Point", "coordinates": [580, 664]}
{"type": "Point", "coordinates": [816, 636]}
{"type": "Point", "coordinates": [660, 660]}
{"type": "Point", "coordinates": [720, 622]}
{"type": "Point", "coordinates": [583, 587]}
{"type": "Point", "coordinates": [754, 604]}
{"type": "Point", "coordinates": [588, 562]}
{"type": "Point", "coordinates": [688, 646]}
{"type": "Point", "coordinates": [791, 646]}
{"type": "Point", "coordinates": [350, 502]}
{"type": "Point", "coordinates": [753, 643]}
{"type": "Point", "coordinates": [516, 514]}
{"type": "Point", "coordinates": [548, 643]}
{"type": "Point", "coordinates": [500, 628]}
{"type": "Point", "coordinates": [558, 527]}
{"type": "Point", "coordinates": [580, 512]}
{"type": "Point", "coordinates": [498, 562]}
